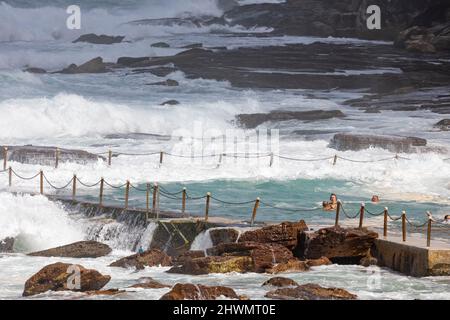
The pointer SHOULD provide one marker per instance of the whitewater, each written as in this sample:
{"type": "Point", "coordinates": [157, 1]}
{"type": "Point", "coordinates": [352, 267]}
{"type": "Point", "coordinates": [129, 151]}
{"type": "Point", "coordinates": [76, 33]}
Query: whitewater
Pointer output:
{"type": "Point", "coordinates": [102, 112]}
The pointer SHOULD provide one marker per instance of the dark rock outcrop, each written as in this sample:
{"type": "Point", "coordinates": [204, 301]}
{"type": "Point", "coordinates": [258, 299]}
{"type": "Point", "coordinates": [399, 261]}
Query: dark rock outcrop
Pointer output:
{"type": "Point", "coordinates": [285, 234]}
{"type": "Point", "coordinates": [55, 277]}
{"type": "Point", "coordinates": [311, 292]}
{"type": "Point", "coordinates": [46, 155]}
{"type": "Point", "coordinates": [160, 45]}
{"type": "Point", "coordinates": [356, 142]}
{"type": "Point", "coordinates": [99, 39]}
{"type": "Point", "coordinates": [7, 245]}
{"type": "Point", "coordinates": [167, 83]}
{"type": "Point", "coordinates": [214, 264]}
{"type": "Point", "coordinates": [223, 235]}
{"type": "Point", "coordinates": [170, 103]}
{"type": "Point", "coordinates": [131, 61]}
{"type": "Point", "coordinates": [190, 291]}
{"type": "Point", "coordinates": [95, 65]}
{"type": "Point", "coordinates": [150, 258]}
{"type": "Point", "coordinates": [191, 254]}
{"type": "Point", "coordinates": [35, 70]}
{"type": "Point", "coordinates": [82, 249]}
{"type": "Point", "coordinates": [340, 245]}
{"type": "Point", "coordinates": [280, 282]}
{"type": "Point", "coordinates": [193, 46]}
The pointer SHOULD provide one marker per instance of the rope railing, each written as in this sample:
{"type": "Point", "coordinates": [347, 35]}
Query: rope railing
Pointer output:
{"type": "Point", "coordinates": [158, 191]}
{"type": "Point", "coordinates": [237, 155]}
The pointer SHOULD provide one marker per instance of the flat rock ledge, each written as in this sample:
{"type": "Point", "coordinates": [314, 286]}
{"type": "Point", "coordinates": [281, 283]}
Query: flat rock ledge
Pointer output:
{"type": "Point", "coordinates": [82, 249]}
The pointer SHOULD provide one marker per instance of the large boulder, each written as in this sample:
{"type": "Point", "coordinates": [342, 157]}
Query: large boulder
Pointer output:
{"type": "Point", "coordinates": [207, 265]}
{"type": "Point", "coordinates": [150, 258]}
{"type": "Point", "coordinates": [252, 121]}
{"type": "Point", "coordinates": [99, 39]}
{"type": "Point", "coordinates": [285, 234]}
{"type": "Point", "coordinates": [189, 291]}
{"type": "Point", "coordinates": [443, 125]}
{"type": "Point", "coordinates": [340, 245]}
{"type": "Point", "coordinates": [191, 254]}
{"type": "Point", "coordinates": [62, 277]}
{"type": "Point", "coordinates": [160, 45]}
{"type": "Point", "coordinates": [280, 282]}
{"type": "Point", "coordinates": [167, 83]}
{"type": "Point", "coordinates": [223, 235]}
{"type": "Point", "coordinates": [357, 142]}
{"type": "Point", "coordinates": [311, 292]}
{"type": "Point", "coordinates": [293, 265]}
{"type": "Point", "coordinates": [82, 249]}
{"type": "Point", "coordinates": [7, 245]}
{"type": "Point", "coordinates": [95, 65]}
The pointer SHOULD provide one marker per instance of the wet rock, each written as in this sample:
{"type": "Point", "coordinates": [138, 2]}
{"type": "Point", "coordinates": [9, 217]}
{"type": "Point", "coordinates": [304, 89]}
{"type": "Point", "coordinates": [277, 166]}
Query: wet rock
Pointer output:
{"type": "Point", "coordinates": [226, 5]}
{"type": "Point", "coordinates": [81, 249]}
{"type": "Point", "coordinates": [109, 292]}
{"type": "Point", "coordinates": [285, 234]}
{"type": "Point", "coordinates": [311, 292]}
{"type": "Point", "coordinates": [167, 83]}
{"type": "Point", "coordinates": [99, 39]}
{"type": "Point", "coordinates": [35, 70]}
{"type": "Point", "coordinates": [131, 61]}
{"type": "Point", "coordinates": [443, 125]}
{"type": "Point", "coordinates": [170, 103]}
{"type": "Point", "coordinates": [150, 258]}
{"type": "Point", "coordinates": [46, 155]}
{"type": "Point", "coordinates": [264, 255]}
{"type": "Point", "coordinates": [357, 142]}
{"type": "Point", "coordinates": [158, 71]}
{"type": "Point", "coordinates": [214, 264]}
{"type": "Point", "coordinates": [150, 283]}
{"type": "Point", "coordinates": [222, 235]}
{"type": "Point", "coordinates": [193, 46]}
{"type": "Point", "coordinates": [292, 265]}
{"type": "Point", "coordinates": [7, 245]}
{"type": "Point", "coordinates": [340, 245]}
{"type": "Point", "coordinates": [191, 254]}
{"type": "Point", "coordinates": [55, 277]}
{"type": "Point", "coordinates": [253, 120]}
{"type": "Point", "coordinates": [92, 66]}
{"type": "Point", "coordinates": [190, 291]}
{"type": "Point", "coordinates": [322, 261]}
{"type": "Point", "coordinates": [160, 45]}
{"type": "Point", "coordinates": [280, 282]}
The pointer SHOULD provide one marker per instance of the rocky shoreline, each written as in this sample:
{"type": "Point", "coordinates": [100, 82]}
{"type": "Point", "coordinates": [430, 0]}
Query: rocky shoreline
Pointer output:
{"type": "Point", "coordinates": [284, 248]}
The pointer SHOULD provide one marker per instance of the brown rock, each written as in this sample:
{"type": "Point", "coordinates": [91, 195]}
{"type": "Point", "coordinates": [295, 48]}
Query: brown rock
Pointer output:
{"type": "Point", "coordinates": [150, 258]}
{"type": "Point", "coordinates": [285, 234]}
{"type": "Point", "coordinates": [99, 39]}
{"type": "Point", "coordinates": [109, 292]}
{"type": "Point", "coordinates": [82, 249]}
{"type": "Point", "coordinates": [322, 261]}
{"type": "Point", "coordinates": [92, 66]}
{"type": "Point", "coordinates": [192, 254]}
{"type": "Point", "coordinates": [226, 264]}
{"type": "Point", "coordinates": [340, 245]}
{"type": "Point", "coordinates": [168, 83]}
{"type": "Point", "coordinates": [190, 291]}
{"type": "Point", "coordinates": [219, 236]}
{"type": "Point", "coordinates": [58, 277]}
{"type": "Point", "coordinates": [280, 282]}
{"type": "Point", "coordinates": [150, 283]}
{"type": "Point", "coordinates": [292, 265]}
{"type": "Point", "coordinates": [311, 292]}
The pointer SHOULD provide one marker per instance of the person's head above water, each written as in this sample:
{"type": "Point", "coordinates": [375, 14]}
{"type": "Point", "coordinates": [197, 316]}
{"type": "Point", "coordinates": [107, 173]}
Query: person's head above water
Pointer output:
{"type": "Point", "coordinates": [447, 217]}
{"type": "Point", "coordinates": [375, 198]}
{"type": "Point", "coordinates": [333, 197]}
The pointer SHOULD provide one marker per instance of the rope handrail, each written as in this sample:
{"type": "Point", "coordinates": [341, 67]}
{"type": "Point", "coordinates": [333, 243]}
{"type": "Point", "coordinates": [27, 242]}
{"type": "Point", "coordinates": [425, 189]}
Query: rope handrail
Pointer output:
{"type": "Point", "coordinates": [140, 189]}
{"type": "Point", "coordinates": [348, 216]}
{"type": "Point", "coordinates": [288, 209]}
{"type": "Point", "coordinates": [303, 160]}
{"type": "Point", "coordinates": [368, 161]}
{"type": "Point", "coordinates": [113, 186]}
{"type": "Point", "coordinates": [55, 187]}
{"type": "Point", "coordinates": [232, 203]}
{"type": "Point", "coordinates": [373, 214]}
{"type": "Point", "coordinates": [25, 178]}
{"type": "Point", "coordinates": [89, 185]}
{"type": "Point", "coordinates": [416, 225]}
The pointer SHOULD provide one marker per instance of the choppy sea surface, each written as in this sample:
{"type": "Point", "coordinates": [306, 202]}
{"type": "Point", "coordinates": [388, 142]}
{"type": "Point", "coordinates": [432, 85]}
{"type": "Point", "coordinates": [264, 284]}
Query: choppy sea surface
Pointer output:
{"type": "Point", "coordinates": [105, 111]}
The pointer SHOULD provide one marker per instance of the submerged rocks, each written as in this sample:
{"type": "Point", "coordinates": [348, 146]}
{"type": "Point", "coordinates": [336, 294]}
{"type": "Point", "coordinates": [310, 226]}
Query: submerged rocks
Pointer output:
{"type": "Point", "coordinates": [82, 249]}
{"type": "Point", "coordinates": [443, 125]}
{"type": "Point", "coordinates": [58, 277]}
{"type": "Point", "coordinates": [95, 65]}
{"type": "Point", "coordinates": [99, 39]}
{"type": "Point", "coordinates": [150, 283]}
{"type": "Point", "coordinates": [311, 292]}
{"type": "Point", "coordinates": [285, 234]}
{"type": "Point", "coordinates": [150, 258]}
{"type": "Point", "coordinates": [280, 282]}
{"type": "Point", "coordinates": [7, 245]}
{"type": "Point", "coordinates": [167, 83]}
{"type": "Point", "coordinates": [223, 235]}
{"type": "Point", "coordinates": [356, 142]}
{"type": "Point", "coordinates": [131, 61]}
{"type": "Point", "coordinates": [160, 45]}
{"type": "Point", "coordinates": [170, 103]}
{"type": "Point", "coordinates": [46, 155]}
{"type": "Point", "coordinates": [340, 245]}
{"type": "Point", "coordinates": [251, 121]}
{"type": "Point", "coordinates": [190, 291]}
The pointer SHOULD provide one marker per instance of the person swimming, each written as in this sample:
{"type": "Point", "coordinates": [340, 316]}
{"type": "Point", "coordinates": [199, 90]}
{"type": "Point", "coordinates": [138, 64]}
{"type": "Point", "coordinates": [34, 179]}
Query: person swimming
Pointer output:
{"type": "Point", "coordinates": [447, 219]}
{"type": "Point", "coordinates": [330, 205]}
{"type": "Point", "coordinates": [375, 199]}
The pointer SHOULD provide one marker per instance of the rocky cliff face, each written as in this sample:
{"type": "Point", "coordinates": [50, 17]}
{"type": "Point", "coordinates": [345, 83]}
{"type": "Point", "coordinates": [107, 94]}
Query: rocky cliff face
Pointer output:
{"type": "Point", "coordinates": [345, 18]}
